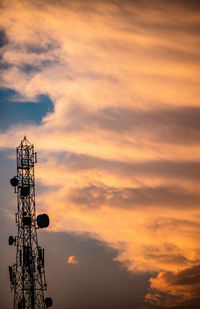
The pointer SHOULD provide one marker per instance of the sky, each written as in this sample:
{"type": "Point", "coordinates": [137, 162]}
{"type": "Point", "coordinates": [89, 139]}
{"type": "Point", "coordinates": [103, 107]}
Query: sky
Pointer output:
{"type": "Point", "coordinates": [108, 93]}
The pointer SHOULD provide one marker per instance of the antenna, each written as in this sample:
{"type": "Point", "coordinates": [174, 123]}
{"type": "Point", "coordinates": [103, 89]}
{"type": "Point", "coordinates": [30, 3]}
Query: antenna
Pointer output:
{"type": "Point", "coordinates": [27, 275]}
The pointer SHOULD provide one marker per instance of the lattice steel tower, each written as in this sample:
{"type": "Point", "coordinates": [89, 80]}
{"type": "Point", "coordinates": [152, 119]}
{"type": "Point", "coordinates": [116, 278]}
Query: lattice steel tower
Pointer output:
{"type": "Point", "coordinates": [27, 275]}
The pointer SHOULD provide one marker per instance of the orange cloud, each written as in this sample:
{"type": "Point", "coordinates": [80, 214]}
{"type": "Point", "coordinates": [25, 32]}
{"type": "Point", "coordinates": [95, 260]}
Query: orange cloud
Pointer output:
{"type": "Point", "coordinates": [72, 259]}
{"type": "Point", "coordinates": [119, 155]}
{"type": "Point", "coordinates": [175, 289]}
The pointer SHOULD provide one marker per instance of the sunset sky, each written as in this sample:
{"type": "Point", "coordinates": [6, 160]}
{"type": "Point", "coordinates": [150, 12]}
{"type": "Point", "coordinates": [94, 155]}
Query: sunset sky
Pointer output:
{"type": "Point", "coordinates": [108, 92]}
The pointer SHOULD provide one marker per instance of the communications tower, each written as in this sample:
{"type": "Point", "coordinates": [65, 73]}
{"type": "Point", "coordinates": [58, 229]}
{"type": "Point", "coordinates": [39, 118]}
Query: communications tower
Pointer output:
{"type": "Point", "coordinates": [27, 275]}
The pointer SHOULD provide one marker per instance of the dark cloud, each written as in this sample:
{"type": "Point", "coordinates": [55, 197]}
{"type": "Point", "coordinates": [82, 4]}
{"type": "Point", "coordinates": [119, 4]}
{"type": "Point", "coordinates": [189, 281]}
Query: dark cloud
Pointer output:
{"type": "Point", "coordinates": [172, 255]}
{"type": "Point", "coordinates": [31, 70]}
{"type": "Point", "coordinates": [3, 42]}
{"type": "Point", "coordinates": [194, 304]}
{"type": "Point", "coordinates": [161, 196]}
{"type": "Point", "coordinates": [180, 170]}
{"type": "Point", "coordinates": [176, 290]}
{"type": "Point", "coordinates": [174, 224]}
{"type": "Point", "coordinates": [194, 4]}
{"type": "Point", "coordinates": [48, 45]}
{"type": "Point", "coordinates": [3, 38]}
{"type": "Point", "coordinates": [129, 11]}
{"type": "Point", "coordinates": [171, 125]}
{"type": "Point", "coordinates": [97, 281]}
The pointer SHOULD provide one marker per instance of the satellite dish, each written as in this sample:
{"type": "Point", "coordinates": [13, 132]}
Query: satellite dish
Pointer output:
{"type": "Point", "coordinates": [14, 182]}
{"type": "Point", "coordinates": [48, 302]}
{"type": "Point", "coordinates": [25, 191]}
{"type": "Point", "coordinates": [11, 240]}
{"type": "Point", "coordinates": [27, 220]}
{"type": "Point", "coordinates": [43, 221]}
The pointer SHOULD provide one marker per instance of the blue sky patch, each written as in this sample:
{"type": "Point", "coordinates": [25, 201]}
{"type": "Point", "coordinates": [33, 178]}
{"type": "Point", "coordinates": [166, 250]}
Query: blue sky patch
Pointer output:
{"type": "Point", "coordinates": [14, 112]}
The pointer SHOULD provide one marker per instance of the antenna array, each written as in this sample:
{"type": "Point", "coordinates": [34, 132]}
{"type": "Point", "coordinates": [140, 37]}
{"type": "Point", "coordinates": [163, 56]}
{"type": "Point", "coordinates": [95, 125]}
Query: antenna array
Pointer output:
{"type": "Point", "coordinates": [27, 274]}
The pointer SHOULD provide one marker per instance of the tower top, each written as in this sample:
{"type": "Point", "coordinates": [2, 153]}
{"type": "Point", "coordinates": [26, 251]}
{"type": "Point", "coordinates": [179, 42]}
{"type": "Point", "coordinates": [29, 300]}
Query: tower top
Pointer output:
{"type": "Point", "coordinates": [25, 142]}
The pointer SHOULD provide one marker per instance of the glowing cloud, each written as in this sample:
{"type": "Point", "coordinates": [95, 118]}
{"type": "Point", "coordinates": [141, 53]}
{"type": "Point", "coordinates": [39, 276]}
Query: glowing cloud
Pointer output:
{"type": "Point", "coordinates": [120, 153]}
{"type": "Point", "coordinates": [172, 289]}
{"type": "Point", "coordinates": [72, 259]}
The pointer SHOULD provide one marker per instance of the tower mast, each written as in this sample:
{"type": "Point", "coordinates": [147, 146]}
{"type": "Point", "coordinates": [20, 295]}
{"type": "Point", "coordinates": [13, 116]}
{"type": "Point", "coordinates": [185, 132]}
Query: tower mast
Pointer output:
{"type": "Point", "coordinates": [27, 274]}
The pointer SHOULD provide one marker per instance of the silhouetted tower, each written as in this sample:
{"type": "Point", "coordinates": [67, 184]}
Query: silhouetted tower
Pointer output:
{"type": "Point", "coordinates": [27, 275]}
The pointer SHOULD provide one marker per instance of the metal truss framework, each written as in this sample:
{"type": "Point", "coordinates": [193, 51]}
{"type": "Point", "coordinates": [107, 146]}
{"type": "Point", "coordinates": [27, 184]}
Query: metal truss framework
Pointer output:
{"type": "Point", "coordinates": [27, 275]}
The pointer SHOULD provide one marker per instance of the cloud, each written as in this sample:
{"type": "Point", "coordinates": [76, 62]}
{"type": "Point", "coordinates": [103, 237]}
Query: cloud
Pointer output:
{"type": "Point", "coordinates": [175, 289]}
{"type": "Point", "coordinates": [72, 259]}
{"type": "Point", "coordinates": [119, 154]}
{"type": "Point", "coordinates": [134, 197]}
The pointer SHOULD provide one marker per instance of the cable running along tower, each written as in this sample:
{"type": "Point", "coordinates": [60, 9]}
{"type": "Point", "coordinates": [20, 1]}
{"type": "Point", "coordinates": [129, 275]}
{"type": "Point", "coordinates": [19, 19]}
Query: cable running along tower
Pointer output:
{"type": "Point", "coordinates": [27, 275]}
